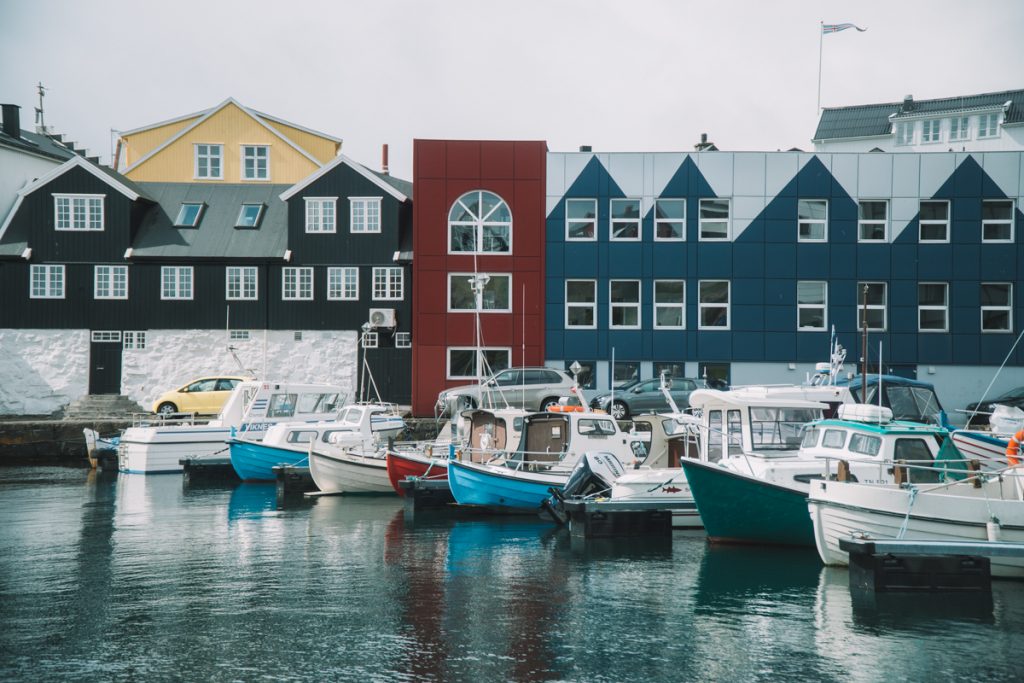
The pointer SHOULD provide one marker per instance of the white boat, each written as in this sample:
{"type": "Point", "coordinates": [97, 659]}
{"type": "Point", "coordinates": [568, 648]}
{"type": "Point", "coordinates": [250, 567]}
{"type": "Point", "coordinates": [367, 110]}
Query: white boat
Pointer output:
{"type": "Point", "coordinates": [989, 446]}
{"type": "Point", "coordinates": [153, 444]}
{"type": "Point", "coordinates": [355, 462]}
{"type": "Point", "coordinates": [958, 511]}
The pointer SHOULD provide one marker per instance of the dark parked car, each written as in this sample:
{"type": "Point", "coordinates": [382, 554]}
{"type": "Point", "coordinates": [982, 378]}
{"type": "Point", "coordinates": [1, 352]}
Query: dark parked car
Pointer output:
{"type": "Point", "coordinates": [1013, 398]}
{"type": "Point", "coordinates": [644, 396]}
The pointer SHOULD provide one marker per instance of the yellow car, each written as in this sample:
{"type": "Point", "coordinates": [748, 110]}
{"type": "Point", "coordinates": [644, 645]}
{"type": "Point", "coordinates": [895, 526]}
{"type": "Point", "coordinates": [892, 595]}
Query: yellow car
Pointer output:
{"type": "Point", "coordinates": [205, 395]}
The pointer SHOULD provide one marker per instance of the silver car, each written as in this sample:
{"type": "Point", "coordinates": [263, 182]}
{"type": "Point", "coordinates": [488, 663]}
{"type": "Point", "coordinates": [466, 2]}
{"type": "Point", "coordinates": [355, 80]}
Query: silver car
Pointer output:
{"type": "Point", "coordinates": [528, 388]}
{"type": "Point", "coordinates": [644, 396]}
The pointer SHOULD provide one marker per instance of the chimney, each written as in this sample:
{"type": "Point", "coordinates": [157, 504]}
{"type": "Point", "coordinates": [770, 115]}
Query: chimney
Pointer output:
{"type": "Point", "coordinates": [704, 145]}
{"type": "Point", "coordinates": [908, 103]}
{"type": "Point", "coordinates": [384, 159]}
{"type": "Point", "coordinates": [12, 120]}
{"type": "Point", "coordinates": [586, 148]}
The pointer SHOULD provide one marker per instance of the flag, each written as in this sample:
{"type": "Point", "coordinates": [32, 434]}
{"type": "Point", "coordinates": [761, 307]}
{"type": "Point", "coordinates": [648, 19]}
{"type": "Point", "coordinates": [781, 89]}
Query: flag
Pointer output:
{"type": "Point", "coordinates": [836, 28]}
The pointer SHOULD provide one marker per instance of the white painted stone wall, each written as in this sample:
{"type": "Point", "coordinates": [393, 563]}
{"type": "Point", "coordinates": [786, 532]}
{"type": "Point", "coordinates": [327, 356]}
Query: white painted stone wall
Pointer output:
{"type": "Point", "coordinates": [41, 371]}
{"type": "Point", "coordinates": [173, 357]}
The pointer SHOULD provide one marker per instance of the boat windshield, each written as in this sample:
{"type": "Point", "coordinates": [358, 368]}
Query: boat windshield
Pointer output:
{"type": "Point", "coordinates": [779, 429]}
{"type": "Point", "coordinates": [912, 403]}
{"type": "Point", "coordinates": [353, 416]}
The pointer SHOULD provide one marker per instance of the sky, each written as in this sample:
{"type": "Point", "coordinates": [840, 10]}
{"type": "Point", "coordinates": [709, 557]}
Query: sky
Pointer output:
{"type": "Point", "coordinates": [636, 75]}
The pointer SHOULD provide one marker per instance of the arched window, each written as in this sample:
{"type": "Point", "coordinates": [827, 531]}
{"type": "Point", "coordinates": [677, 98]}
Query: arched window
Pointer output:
{"type": "Point", "coordinates": [480, 222]}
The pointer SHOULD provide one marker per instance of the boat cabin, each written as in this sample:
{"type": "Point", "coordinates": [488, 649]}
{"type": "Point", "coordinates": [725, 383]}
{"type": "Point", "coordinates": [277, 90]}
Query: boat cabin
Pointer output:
{"type": "Point", "coordinates": [668, 438]}
{"type": "Point", "coordinates": [908, 399]}
{"type": "Point", "coordinates": [552, 436]}
{"type": "Point", "coordinates": [489, 432]}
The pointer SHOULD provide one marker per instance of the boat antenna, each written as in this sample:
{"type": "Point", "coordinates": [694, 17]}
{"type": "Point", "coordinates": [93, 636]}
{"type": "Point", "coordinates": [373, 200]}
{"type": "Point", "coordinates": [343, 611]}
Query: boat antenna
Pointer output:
{"type": "Point", "coordinates": [864, 345]}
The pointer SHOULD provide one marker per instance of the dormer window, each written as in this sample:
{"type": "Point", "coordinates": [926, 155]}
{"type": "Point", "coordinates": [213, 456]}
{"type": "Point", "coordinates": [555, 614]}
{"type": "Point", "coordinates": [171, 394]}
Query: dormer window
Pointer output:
{"type": "Point", "coordinates": [988, 125]}
{"type": "Point", "coordinates": [249, 216]}
{"type": "Point", "coordinates": [931, 130]}
{"type": "Point", "coordinates": [905, 133]}
{"type": "Point", "coordinates": [959, 128]}
{"type": "Point", "coordinates": [255, 162]}
{"type": "Point", "coordinates": [189, 215]}
{"type": "Point", "coordinates": [78, 211]}
{"type": "Point", "coordinates": [208, 162]}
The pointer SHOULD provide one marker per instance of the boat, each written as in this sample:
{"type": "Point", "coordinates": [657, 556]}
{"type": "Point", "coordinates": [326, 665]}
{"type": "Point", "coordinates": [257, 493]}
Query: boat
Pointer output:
{"type": "Point", "coordinates": [154, 444]}
{"type": "Point", "coordinates": [989, 446]}
{"type": "Point", "coordinates": [986, 507]}
{"type": "Point", "coordinates": [99, 449]}
{"type": "Point", "coordinates": [289, 443]}
{"type": "Point", "coordinates": [354, 461]}
{"type": "Point", "coordinates": [760, 454]}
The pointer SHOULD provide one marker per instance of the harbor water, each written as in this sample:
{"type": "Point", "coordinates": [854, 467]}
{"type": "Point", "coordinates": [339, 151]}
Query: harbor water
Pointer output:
{"type": "Point", "coordinates": [132, 577]}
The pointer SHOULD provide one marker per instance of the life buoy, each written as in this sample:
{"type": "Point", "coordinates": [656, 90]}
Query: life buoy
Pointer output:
{"type": "Point", "coordinates": [1013, 448]}
{"type": "Point", "coordinates": [565, 409]}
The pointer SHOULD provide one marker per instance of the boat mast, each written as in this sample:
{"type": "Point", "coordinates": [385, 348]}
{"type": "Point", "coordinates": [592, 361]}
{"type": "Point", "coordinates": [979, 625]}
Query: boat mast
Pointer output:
{"type": "Point", "coordinates": [864, 345]}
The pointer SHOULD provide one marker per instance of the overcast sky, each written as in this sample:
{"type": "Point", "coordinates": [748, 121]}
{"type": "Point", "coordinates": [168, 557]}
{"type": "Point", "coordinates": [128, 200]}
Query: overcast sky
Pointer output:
{"type": "Point", "coordinates": [636, 75]}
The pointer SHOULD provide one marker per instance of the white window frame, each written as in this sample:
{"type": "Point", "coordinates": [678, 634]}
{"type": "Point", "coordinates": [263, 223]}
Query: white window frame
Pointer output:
{"type": "Point", "coordinates": [702, 221]}
{"type": "Point", "coordinates": [297, 283]}
{"type": "Point", "coordinates": [85, 220]}
{"type": "Point", "coordinates": [248, 283]}
{"type": "Point", "coordinates": [478, 306]}
{"type": "Point", "coordinates": [321, 214]}
{"type": "Point", "coordinates": [921, 222]}
{"type": "Point", "coordinates": [384, 283]}
{"type": "Point", "coordinates": [944, 307]}
{"type": "Point", "coordinates": [477, 362]}
{"type": "Point", "coordinates": [239, 335]}
{"type": "Point", "coordinates": [903, 133]}
{"type": "Point", "coordinates": [867, 222]}
{"type": "Point", "coordinates": [370, 208]}
{"type": "Point", "coordinates": [403, 340]}
{"type": "Point", "coordinates": [823, 306]}
{"type": "Point", "coordinates": [931, 131]}
{"type": "Point", "coordinates": [199, 215]}
{"type": "Point", "coordinates": [105, 282]}
{"type": "Point", "coordinates": [246, 148]}
{"type": "Point", "coordinates": [181, 288]}
{"type": "Point", "coordinates": [669, 305]}
{"type": "Point", "coordinates": [339, 285]}
{"type": "Point", "coordinates": [1008, 222]}
{"type": "Point", "coordinates": [670, 221]}
{"type": "Point", "coordinates": [52, 287]}
{"type": "Point", "coordinates": [569, 222]}
{"type": "Point", "coordinates": [105, 336]}
{"type": "Point", "coordinates": [479, 223]}
{"type": "Point", "coordinates": [1008, 308]}
{"type": "Point", "coordinates": [134, 339]}
{"type": "Point", "coordinates": [207, 157]}
{"type": "Point", "coordinates": [988, 126]}
{"type": "Point", "coordinates": [625, 222]}
{"type": "Point", "coordinates": [959, 128]}
{"type": "Point", "coordinates": [702, 305]}
{"type": "Point", "coordinates": [884, 306]}
{"type": "Point", "coordinates": [371, 339]}
{"type": "Point", "coordinates": [586, 305]}
{"type": "Point", "coordinates": [261, 209]}
{"type": "Point", "coordinates": [636, 306]}
{"type": "Point", "coordinates": [823, 222]}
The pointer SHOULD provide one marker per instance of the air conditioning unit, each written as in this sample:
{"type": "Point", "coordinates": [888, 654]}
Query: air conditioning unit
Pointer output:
{"type": "Point", "coordinates": [382, 317]}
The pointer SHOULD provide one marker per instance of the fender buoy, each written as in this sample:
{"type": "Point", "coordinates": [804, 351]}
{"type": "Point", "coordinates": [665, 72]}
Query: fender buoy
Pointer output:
{"type": "Point", "coordinates": [1013, 448]}
{"type": "Point", "coordinates": [565, 409]}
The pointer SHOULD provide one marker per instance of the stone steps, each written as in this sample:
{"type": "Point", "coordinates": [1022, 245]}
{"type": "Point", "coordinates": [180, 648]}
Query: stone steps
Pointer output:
{"type": "Point", "coordinates": [101, 406]}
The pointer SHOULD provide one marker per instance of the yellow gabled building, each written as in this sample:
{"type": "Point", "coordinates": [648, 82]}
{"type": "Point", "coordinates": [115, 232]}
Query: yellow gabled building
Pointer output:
{"type": "Point", "coordinates": [229, 143]}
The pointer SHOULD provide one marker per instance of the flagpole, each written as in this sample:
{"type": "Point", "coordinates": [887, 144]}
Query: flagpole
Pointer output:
{"type": "Point", "coordinates": [821, 32]}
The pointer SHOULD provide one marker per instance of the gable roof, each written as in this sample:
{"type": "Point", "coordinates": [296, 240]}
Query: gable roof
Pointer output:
{"type": "Point", "coordinates": [34, 143]}
{"type": "Point", "coordinates": [869, 120]}
{"type": "Point", "coordinates": [206, 115]}
{"type": "Point", "coordinates": [397, 188]}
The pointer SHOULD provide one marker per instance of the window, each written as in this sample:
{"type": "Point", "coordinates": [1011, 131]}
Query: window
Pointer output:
{"type": "Point", "coordinates": [714, 219]}
{"type": "Point", "coordinates": [371, 340]}
{"type": "Point", "coordinates": [321, 214]}
{"type": "Point", "coordinates": [297, 336]}
{"type": "Point", "coordinates": [673, 370]}
{"type": "Point", "coordinates": [930, 130]}
{"type": "Point", "coordinates": [106, 336]}
{"type": "Point", "coordinates": [495, 294]}
{"type": "Point", "coordinates": [624, 299]}
{"type": "Point", "coordinates": [581, 303]}
{"type": "Point", "coordinates": [134, 340]}
{"type": "Point", "coordinates": [208, 162]}
{"type": "Point", "coordinates": [779, 429]}
{"type": "Point", "coordinates": [364, 214]}
{"type": "Point", "coordinates": [811, 306]}
{"type": "Point", "coordinates": [959, 128]}
{"type": "Point", "coordinates": [625, 219]}
{"type": "Point", "coordinates": [669, 304]}
{"type": "Point", "coordinates": [996, 307]}
{"type": "Point", "coordinates": [297, 284]}
{"type": "Point", "coordinates": [238, 335]}
{"type": "Point", "coordinates": [387, 284]}
{"type": "Point", "coordinates": [470, 363]}
{"type": "Point", "coordinates": [403, 340]}
{"type": "Point", "coordinates": [905, 133]}
{"type": "Point", "coordinates": [110, 282]}
{"type": "Point", "coordinates": [933, 217]}
{"type": "Point", "coordinates": [876, 308]}
{"type": "Point", "coordinates": [933, 307]}
{"type": "Point", "coordinates": [249, 216]}
{"type": "Point", "coordinates": [865, 444]}
{"type": "Point", "coordinates": [834, 438]}
{"type": "Point", "coordinates": [241, 283]}
{"type": "Point", "coordinates": [812, 220]}
{"type": "Point", "coordinates": [669, 219]}
{"type": "Point", "coordinates": [624, 372]}
{"type": "Point", "coordinates": [189, 215]}
{"type": "Point", "coordinates": [480, 222]}
{"type": "Point", "coordinates": [997, 220]}
{"type": "Point", "coordinates": [713, 304]}
{"type": "Point", "coordinates": [176, 282]}
{"type": "Point", "coordinates": [872, 221]}
{"type": "Point", "coordinates": [988, 125]}
{"type": "Point", "coordinates": [255, 162]}
{"type": "Point", "coordinates": [78, 211]}
{"type": "Point", "coordinates": [343, 284]}
{"type": "Point", "coordinates": [580, 219]}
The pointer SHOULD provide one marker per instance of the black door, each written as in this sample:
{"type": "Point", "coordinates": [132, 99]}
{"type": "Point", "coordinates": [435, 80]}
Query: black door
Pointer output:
{"type": "Point", "coordinates": [105, 363]}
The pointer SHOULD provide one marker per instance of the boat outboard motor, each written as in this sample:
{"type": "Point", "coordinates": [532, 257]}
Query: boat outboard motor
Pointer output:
{"type": "Point", "coordinates": [595, 472]}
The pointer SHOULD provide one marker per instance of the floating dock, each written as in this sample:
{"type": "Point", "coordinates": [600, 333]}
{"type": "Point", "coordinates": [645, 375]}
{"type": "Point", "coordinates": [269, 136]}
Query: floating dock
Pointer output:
{"type": "Point", "coordinates": [610, 519]}
{"type": "Point", "coordinates": [208, 469]}
{"type": "Point", "coordinates": [420, 493]}
{"type": "Point", "coordinates": [293, 479]}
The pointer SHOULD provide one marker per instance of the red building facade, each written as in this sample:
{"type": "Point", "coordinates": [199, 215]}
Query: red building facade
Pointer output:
{"type": "Point", "coordinates": [478, 209]}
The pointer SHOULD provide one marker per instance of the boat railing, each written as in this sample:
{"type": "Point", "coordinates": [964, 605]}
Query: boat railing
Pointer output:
{"type": "Point", "coordinates": [172, 420]}
{"type": "Point", "coordinates": [929, 475]}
